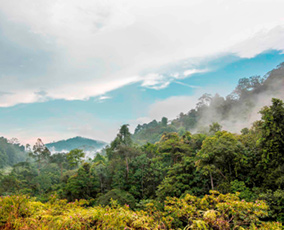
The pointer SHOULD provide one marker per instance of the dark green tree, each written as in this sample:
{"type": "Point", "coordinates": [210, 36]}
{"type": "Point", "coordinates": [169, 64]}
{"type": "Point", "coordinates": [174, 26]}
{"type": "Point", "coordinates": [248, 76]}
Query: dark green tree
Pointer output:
{"type": "Point", "coordinates": [222, 154]}
{"type": "Point", "coordinates": [215, 127]}
{"type": "Point", "coordinates": [272, 143]}
{"type": "Point", "coordinates": [164, 121]}
{"type": "Point", "coordinates": [60, 159]}
{"type": "Point", "coordinates": [83, 185]}
{"type": "Point", "coordinates": [75, 157]}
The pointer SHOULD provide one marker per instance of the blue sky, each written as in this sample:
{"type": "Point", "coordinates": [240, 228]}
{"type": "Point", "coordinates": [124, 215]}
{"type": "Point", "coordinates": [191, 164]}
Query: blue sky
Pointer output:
{"type": "Point", "coordinates": [100, 118]}
{"type": "Point", "coordinates": [85, 67]}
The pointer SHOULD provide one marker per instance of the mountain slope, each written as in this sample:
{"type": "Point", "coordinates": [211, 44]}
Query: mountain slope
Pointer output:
{"type": "Point", "coordinates": [86, 144]}
{"type": "Point", "coordinates": [234, 112]}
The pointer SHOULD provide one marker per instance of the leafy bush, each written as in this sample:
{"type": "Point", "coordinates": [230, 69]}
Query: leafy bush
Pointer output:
{"type": "Point", "coordinates": [120, 196]}
{"type": "Point", "coordinates": [275, 200]}
{"type": "Point", "coordinates": [218, 211]}
{"type": "Point", "coordinates": [245, 192]}
{"type": "Point", "coordinates": [215, 211]}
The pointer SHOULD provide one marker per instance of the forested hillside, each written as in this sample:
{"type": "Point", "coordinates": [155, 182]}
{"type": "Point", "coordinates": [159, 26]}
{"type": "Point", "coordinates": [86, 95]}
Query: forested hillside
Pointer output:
{"type": "Point", "coordinates": [234, 112]}
{"type": "Point", "coordinates": [86, 144]}
{"type": "Point", "coordinates": [11, 152]}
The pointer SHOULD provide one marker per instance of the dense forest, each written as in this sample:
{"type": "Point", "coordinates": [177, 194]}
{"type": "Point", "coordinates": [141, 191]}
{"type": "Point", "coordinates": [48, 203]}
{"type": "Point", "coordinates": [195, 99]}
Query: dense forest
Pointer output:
{"type": "Point", "coordinates": [193, 172]}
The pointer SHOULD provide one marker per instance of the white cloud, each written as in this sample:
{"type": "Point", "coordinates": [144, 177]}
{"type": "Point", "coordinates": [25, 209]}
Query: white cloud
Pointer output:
{"type": "Point", "coordinates": [103, 97]}
{"type": "Point", "coordinates": [171, 106]}
{"type": "Point", "coordinates": [95, 46]}
{"type": "Point", "coordinates": [159, 81]}
{"type": "Point", "coordinates": [190, 72]}
{"type": "Point", "coordinates": [84, 90]}
{"type": "Point", "coordinates": [140, 120]}
{"type": "Point", "coordinates": [77, 124]}
{"type": "Point", "coordinates": [155, 81]}
{"type": "Point", "coordinates": [23, 96]}
{"type": "Point", "coordinates": [188, 85]}
{"type": "Point", "coordinates": [69, 91]}
{"type": "Point", "coordinates": [262, 40]}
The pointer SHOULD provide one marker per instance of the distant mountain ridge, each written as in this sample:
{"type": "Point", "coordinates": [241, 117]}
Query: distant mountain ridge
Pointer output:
{"type": "Point", "coordinates": [234, 112]}
{"type": "Point", "coordinates": [86, 144]}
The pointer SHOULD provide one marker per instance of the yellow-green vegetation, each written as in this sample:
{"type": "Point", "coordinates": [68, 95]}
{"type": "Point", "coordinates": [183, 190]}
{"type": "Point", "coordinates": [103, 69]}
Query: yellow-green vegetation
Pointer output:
{"type": "Point", "coordinates": [214, 211]}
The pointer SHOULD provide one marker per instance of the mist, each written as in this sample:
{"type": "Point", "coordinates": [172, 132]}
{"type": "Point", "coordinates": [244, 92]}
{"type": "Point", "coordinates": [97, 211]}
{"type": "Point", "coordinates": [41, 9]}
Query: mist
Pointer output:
{"type": "Point", "coordinates": [240, 108]}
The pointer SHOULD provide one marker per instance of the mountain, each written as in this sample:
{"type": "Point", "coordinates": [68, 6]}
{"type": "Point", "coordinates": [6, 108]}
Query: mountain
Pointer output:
{"type": "Point", "coordinates": [89, 146]}
{"type": "Point", "coordinates": [234, 112]}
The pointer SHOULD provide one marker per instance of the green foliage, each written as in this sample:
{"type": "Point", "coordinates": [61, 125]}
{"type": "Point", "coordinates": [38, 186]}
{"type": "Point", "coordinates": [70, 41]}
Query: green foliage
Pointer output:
{"type": "Point", "coordinates": [164, 121]}
{"type": "Point", "coordinates": [60, 159]}
{"type": "Point", "coordinates": [182, 178]}
{"type": "Point", "coordinates": [221, 154]}
{"type": "Point", "coordinates": [275, 200]}
{"type": "Point", "coordinates": [74, 157]}
{"type": "Point", "coordinates": [272, 144]}
{"type": "Point", "coordinates": [124, 136]}
{"type": "Point", "coordinates": [215, 127]}
{"type": "Point", "coordinates": [152, 132]}
{"type": "Point", "coordinates": [40, 154]}
{"type": "Point", "coordinates": [83, 185]}
{"type": "Point", "coordinates": [10, 153]}
{"type": "Point", "coordinates": [122, 198]}
{"type": "Point", "coordinates": [244, 191]}
{"type": "Point", "coordinates": [217, 211]}
{"type": "Point", "coordinates": [172, 148]}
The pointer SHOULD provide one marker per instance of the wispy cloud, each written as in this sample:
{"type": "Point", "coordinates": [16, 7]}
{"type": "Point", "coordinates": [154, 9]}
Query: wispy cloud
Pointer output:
{"type": "Point", "coordinates": [155, 81]}
{"type": "Point", "coordinates": [190, 86]}
{"type": "Point", "coordinates": [161, 81]}
{"type": "Point", "coordinates": [102, 98]}
{"type": "Point", "coordinates": [169, 108]}
{"type": "Point", "coordinates": [190, 72]}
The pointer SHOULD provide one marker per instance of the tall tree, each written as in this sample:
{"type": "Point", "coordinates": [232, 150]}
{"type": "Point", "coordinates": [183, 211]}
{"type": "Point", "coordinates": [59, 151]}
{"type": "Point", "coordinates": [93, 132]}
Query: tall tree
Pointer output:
{"type": "Point", "coordinates": [221, 153]}
{"type": "Point", "coordinates": [83, 185]}
{"type": "Point", "coordinates": [75, 156]}
{"type": "Point", "coordinates": [272, 143]}
{"type": "Point", "coordinates": [164, 121]}
{"type": "Point", "coordinates": [40, 153]}
{"type": "Point", "coordinates": [60, 159]}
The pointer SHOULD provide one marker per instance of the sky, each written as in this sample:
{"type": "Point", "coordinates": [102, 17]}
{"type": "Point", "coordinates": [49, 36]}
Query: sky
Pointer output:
{"type": "Point", "coordinates": [85, 67]}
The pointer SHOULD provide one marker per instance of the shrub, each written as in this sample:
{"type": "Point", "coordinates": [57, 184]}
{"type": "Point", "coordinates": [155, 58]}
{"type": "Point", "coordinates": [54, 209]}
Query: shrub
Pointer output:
{"type": "Point", "coordinates": [120, 196]}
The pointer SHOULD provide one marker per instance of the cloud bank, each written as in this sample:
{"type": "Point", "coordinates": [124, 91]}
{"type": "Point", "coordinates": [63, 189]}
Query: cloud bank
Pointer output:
{"type": "Point", "coordinates": [77, 49]}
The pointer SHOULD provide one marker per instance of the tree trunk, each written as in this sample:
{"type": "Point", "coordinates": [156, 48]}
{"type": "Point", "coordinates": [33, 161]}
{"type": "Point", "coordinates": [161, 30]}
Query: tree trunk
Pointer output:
{"type": "Point", "coordinates": [211, 179]}
{"type": "Point", "coordinates": [39, 165]}
{"type": "Point", "coordinates": [127, 168]}
{"type": "Point", "coordinates": [61, 170]}
{"type": "Point", "coordinates": [142, 182]}
{"type": "Point", "coordinates": [219, 171]}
